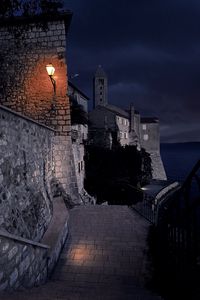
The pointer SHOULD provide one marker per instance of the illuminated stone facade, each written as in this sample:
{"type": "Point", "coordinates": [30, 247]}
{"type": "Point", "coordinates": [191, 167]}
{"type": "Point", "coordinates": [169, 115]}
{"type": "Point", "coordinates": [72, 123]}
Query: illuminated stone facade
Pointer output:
{"type": "Point", "coordinates": [112, 125]}
{"type": "Point", "coordinates": [26, 87]}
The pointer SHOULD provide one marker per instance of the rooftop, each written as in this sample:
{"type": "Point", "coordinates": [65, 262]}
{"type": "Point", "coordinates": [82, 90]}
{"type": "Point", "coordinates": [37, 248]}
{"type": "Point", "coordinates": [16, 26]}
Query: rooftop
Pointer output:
{"type": "Point", "coordinates": [78, 90]}
{"type": "Point", "coordinates": [117, 110]}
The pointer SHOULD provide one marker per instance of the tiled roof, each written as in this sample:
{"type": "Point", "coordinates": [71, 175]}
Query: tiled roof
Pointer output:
{"type": "Point", "coordinates": [117, 110]}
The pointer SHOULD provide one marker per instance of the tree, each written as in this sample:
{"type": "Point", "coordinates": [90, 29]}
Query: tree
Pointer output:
{"type": "Point", "coordinates": [116, 175]}
{"type": "Point", "coordinates": [11, 8]}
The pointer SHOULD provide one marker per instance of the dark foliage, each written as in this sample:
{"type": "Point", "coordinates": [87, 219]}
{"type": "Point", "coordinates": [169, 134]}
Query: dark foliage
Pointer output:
{"type": "Point", "coordinates": [10, 8]}
{"type": "Point", "coordinates": [78, 114]}
{"type": "Point", "coordinates": [115, 175]}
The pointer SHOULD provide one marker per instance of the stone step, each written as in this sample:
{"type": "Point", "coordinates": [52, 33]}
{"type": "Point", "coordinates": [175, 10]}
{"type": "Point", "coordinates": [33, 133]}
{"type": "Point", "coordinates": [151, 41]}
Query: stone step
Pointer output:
{"type": "Point", "coordinates": [104, 258]}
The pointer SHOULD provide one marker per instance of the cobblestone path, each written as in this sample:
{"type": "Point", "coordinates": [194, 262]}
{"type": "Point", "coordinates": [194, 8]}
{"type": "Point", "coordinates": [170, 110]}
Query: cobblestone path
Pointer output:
{"type": "Point", "coordinates": [105, 257]}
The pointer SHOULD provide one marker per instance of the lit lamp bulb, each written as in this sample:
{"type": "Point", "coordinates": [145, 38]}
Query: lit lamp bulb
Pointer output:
{"type": "Point", "coordinates": [50, 69]}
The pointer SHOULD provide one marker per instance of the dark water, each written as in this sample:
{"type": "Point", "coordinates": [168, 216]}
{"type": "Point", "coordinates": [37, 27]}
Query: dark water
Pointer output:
{"type": "Point", "coordinates": [179, 159]}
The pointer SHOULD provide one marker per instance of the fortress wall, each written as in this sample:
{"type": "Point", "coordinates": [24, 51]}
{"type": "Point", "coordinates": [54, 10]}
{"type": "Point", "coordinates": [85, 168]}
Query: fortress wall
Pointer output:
{"type": "Point", "coordinates": [150, 141]}
{"type": "Point", "coordinates": [25, 84]}
{"type": "Point", "coordinates": [26, 48]}
{"type": "Point", "coordinates": [26, 171]}
{"type": "Point", "coordinates": [28, 212]}
{"type": "Point", "coordinates": [150, 137]}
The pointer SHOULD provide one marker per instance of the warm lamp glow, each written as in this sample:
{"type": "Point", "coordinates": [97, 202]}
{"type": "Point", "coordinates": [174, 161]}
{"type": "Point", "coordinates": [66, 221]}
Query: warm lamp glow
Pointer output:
{"type": "Point", "coordinates": [50, 69]}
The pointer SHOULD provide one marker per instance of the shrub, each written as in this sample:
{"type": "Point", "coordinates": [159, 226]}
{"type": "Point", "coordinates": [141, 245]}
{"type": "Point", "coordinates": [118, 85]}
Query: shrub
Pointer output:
{"type": "Point", "coordinates": [113, 175]}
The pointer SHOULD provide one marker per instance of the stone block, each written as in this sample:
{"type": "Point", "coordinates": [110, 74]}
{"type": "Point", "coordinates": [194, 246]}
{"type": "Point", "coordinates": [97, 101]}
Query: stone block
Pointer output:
{"type": "Point", "coordinates": [3, 285]}
{"type": "Point", "coordinates": [24, 265]}
{"type": "Point", "coordinates": [13, 277]}
{"type": "Point", "coordinates": [5, 247]}
{"type": "Point", "coordinates": [12, 252]}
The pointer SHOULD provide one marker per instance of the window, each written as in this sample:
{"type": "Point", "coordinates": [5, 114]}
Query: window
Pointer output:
{"type": "Point", "coordinates": [145, 137]}
{"type": "Point", "coordinates": [125, 122]}
{"type": "Point", "coordinates": [125, 135]}
{"type": "Point", "coordinates": [101, 93]}
{"type": "Point", "coordinates": [101, 81]}
{"type": "Point", "coordinates": [120, 120]}
{"type": "Point", "coordinates": [79, 167]}
{"type": "Point", "coordinates": [144, 127]}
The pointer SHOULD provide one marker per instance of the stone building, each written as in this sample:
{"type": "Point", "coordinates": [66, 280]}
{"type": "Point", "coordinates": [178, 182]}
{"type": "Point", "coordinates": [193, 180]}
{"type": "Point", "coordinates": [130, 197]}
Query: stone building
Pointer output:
{"type": "Point", "coordinates": [37, 162]}
{"type": "Point", "coordinates": [112, 125]}
{"type": "Point", "coordinates": [100, 88]}
{"type": "Point", "coordinates": [26, 87]}
{"type": "Point", "coordinates": [79, 135]}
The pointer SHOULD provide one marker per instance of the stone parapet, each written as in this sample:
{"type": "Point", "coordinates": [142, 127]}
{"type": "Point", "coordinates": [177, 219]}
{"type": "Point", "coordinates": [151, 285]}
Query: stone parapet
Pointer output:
{"type": "Point", "coordinates": [23, 263]}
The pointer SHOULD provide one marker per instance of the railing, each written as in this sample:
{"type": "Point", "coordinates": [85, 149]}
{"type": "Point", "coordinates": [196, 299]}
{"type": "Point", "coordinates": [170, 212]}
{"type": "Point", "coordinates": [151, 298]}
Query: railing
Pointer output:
{"type": "Point", "coordinates": [146, 207]}
{"type": "Point", "coordinates": [177, 236]}
{"type": "Point", "coordinates": [149, 206]}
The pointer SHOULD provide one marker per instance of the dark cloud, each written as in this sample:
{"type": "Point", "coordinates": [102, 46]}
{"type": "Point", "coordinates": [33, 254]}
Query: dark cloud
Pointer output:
{"type": "Point", "coordinates": [150, 50]}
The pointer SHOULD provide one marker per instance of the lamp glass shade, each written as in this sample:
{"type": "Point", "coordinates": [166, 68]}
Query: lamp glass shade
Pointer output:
{"type": "Point", "coordinates": [50, 69]}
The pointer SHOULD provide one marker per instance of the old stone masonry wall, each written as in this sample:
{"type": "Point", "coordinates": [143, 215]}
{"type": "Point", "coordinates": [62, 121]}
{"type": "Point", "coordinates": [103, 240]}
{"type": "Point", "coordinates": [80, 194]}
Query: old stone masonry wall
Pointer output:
{"type": "Point", "coordinates": [25, 86]}
{"type": "Point", "coordinates": [26, 168]}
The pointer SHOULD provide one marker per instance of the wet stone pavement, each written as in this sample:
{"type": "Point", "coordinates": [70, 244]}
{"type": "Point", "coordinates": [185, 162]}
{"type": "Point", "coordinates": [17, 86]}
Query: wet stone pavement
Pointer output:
{"type": "Point", "coordinates": [104, 257]}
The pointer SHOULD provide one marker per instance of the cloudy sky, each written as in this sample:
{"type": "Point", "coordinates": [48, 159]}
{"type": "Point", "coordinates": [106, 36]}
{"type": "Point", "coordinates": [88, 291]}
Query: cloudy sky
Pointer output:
{"type": "Point", "coordinates": [150, 50]}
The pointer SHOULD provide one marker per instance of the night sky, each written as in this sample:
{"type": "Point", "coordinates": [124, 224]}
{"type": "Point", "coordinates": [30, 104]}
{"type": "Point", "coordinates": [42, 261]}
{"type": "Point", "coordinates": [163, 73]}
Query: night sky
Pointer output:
{"type": "Point", "coordinates": [150, 51]}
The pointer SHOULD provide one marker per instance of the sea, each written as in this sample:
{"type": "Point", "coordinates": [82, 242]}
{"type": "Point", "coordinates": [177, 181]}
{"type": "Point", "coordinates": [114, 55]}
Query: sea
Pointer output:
{"type": "Point", "coordinates": [179, 159]}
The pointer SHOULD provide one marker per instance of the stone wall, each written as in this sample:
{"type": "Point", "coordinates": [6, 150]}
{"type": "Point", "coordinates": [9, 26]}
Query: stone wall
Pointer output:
{"type": "Point", "coordinates": [25, 84]}
{"type": "Point", "coordinates": [26, 171]}
{"type": "Point", "coordinates": [23, 263]}
{"type": "Point", "coordinates": [78, 147]}
{"type": "Point", "coordinates": [27, 46]}
{"type": "Point", "coordinates": [158, 170]}
{"type": "Point", "coordinates": [64, 163]}
{"type": "Point", "coordinates": [28, 211]}
{"type": "Point", "coordinates": [150, 136]}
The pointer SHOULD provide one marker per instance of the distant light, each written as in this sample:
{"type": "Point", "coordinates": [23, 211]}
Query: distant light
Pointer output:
{"type": "Point", "coordinates": [144, 188]}
{"type": "Point", "coordinates": [50, 69]}
{"type": "Point", "coordinates": [74, 76]}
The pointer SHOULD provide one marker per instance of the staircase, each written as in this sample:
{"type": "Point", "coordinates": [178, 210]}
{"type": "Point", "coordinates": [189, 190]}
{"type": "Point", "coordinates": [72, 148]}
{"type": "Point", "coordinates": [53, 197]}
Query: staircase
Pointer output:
{"type": "Point", "coordinates": [104, 257]}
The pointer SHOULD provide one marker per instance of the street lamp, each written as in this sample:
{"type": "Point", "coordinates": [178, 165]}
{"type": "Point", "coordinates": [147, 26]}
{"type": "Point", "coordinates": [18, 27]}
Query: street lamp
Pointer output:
{"type": "Point", "coordinates": [50, 71]}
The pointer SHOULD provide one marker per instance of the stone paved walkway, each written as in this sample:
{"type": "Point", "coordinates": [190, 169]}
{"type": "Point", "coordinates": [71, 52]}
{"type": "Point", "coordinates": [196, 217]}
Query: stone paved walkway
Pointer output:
{"type": "Point", "coordinates": [105, 257]}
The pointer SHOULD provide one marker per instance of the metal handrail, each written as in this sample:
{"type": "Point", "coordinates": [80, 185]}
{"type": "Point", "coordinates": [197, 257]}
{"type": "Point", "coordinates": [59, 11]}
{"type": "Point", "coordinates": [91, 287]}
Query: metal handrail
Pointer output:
{"type": "Point", "coordinates": [178, 232]}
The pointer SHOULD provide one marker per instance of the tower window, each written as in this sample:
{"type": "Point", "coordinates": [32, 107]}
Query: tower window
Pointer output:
{"type": "Point", "coordinates": [101, 81]}
{"type": "Point", "coordinates": [144, 127]}
{"type": "Point", "coordinates": [101, 93]}
{"type": "Point", "coordinates": [146, 137]}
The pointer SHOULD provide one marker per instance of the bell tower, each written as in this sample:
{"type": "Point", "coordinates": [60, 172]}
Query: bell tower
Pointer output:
{"type": "Point", "coordinates": [100, 88]}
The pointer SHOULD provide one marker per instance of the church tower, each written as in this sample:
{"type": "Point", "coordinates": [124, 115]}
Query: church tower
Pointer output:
{"type": "Point", "coordinates": [100, 88]}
